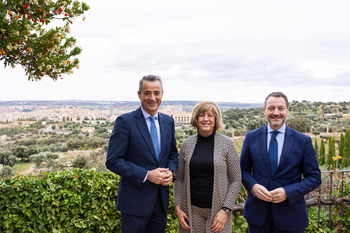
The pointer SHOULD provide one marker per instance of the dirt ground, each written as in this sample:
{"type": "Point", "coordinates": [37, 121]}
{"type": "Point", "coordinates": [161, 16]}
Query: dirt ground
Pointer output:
{"type": "Point", "coordinates": [68, 156]}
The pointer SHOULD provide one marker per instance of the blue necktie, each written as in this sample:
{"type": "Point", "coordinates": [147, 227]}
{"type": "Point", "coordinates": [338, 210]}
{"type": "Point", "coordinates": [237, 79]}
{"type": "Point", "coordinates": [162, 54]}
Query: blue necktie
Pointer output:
{"type": "Point", "coordinates": [273, 151]}
{"type": "Point", "coordinates": [154, 136]}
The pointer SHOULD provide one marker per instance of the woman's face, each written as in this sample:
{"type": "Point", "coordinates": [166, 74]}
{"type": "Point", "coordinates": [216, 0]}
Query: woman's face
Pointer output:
{"type": "Point", "coordinates": [206, 123]}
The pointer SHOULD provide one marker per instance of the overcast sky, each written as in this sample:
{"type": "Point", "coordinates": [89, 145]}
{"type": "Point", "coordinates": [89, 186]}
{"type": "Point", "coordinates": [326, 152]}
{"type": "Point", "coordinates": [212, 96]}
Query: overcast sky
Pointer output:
{"type": "Point", "coordinates": [226, 50]}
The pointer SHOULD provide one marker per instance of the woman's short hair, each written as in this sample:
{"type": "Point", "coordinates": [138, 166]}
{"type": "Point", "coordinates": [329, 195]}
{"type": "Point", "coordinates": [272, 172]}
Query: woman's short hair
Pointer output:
{"type": "Point", "coordinates": [203, 107]}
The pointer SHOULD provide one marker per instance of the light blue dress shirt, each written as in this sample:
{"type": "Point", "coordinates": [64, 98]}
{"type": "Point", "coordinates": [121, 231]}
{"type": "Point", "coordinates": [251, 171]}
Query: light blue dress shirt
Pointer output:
{"type": "Point", "coordinates": [148, 121]}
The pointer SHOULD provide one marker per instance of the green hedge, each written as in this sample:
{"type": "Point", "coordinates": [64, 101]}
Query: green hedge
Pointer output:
{"type": "Point", "coordinates": [70, 201]}
{"type": "Point", "coordinates": [84, 201]}
{"type": "Point", "coordinates": [67, 201]}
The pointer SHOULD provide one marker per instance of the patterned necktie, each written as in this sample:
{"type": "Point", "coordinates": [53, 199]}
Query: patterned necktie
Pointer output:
{"type": "Point", "coordinates": [154, 136]}
{"type": "Point", "coordinates": [273, 151]}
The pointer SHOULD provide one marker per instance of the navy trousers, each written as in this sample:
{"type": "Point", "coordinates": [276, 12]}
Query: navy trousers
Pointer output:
{"type": "Point", "coordinates": [153, 223]}
{"type": "Point", "coordinates": [269, 226]}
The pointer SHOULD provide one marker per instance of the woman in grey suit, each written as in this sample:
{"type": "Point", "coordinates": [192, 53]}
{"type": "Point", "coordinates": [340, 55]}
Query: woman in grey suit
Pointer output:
{"type": "Point", "coordinates": [209, 175]}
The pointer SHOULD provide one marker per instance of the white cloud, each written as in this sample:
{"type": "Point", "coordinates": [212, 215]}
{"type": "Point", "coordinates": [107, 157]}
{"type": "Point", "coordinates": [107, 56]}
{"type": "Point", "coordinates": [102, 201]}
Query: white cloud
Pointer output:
{"type": "Point", "coordinates": [222, 51]}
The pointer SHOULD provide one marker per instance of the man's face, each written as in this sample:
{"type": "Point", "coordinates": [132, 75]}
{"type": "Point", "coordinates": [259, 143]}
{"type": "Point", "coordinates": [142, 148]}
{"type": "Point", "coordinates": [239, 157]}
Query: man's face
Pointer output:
{"type": "Point", "coordinates": [276, 112]}
{"type": "Point", "coordinates": [151, 96]}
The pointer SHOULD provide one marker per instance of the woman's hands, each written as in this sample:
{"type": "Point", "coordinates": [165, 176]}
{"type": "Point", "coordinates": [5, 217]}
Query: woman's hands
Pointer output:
{"type": "Point", "coordinates": [217, 226]}
{"type": "Point", "coordinates": [182, 217]}
{"type": "Point", "coordinates": [219, 221]}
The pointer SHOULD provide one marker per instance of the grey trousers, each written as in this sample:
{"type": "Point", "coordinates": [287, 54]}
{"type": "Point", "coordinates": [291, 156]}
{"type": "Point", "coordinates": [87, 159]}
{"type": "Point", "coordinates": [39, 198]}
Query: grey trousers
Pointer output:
{"type": "Point", "coordinates": [201, 222]}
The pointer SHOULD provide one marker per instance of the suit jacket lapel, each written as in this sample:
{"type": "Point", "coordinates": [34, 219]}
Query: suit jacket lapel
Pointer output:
{"type": "Point", "coordinates": [287, 146]}
{"type": "Point", "coordinates": [142, 125]}
{"type": "Point", "coordinates": [163, 133]}
{"type": "Point", "coordinates": [263, 147]}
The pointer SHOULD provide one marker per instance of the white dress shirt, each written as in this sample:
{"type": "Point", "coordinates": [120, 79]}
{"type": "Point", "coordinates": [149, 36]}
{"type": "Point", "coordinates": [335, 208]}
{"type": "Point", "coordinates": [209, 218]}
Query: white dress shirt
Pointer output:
{"type": "Point", "coordinates": [279, 138]}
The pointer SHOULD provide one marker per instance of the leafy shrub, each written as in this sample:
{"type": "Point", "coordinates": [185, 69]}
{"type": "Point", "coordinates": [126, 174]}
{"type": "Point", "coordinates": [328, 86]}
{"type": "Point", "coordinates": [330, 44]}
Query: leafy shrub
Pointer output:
{"type": "Point", "coordinates": [43, 157]}
{"type": "Point", "coordinates": [63, 148]}
{"type": "Point", "coordinates": [84, 201]}
{"type": "Point", "coordinates": [6, 157]}
{"type": "Point", "coordinates": [37, 159]}
{"type": "Point", "coordinates": [94, 155]}
{"type": "Point", "coordinates": [79, 162]}
{"type": "Point", "coordinates": [70, 201]}
{"type": "Point", "coordinates": [5, 171]}
{"type": "Point", "coordinates": [51, 156]}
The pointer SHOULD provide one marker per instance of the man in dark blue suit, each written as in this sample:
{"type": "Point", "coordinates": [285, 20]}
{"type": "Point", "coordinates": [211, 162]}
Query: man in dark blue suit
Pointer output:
{"type": "Point", "coordinates": [279, 167]}
{"type": "Point", "coordinates": [142, 151]}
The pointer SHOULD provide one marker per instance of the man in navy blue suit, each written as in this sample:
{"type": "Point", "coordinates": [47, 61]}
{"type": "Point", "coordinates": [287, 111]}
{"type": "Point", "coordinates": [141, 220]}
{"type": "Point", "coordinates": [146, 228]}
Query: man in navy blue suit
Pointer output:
{"type": "Point", "coordinates": [142, 151]}
{"type": "Point", "coordinates": [279, 167]}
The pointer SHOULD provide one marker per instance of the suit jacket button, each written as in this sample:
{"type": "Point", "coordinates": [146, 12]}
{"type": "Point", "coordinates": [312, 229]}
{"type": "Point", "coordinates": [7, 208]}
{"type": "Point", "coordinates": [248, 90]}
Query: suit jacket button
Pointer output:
{"type": "Point", "coordinates": [271, 180]}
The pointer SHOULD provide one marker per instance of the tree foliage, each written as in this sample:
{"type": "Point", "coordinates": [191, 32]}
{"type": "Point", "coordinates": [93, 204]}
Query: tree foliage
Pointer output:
{"type": "Point", "coordinates": [20, 152]}
{"type": "Point", "coordinates": [37, 159]}
{"type": "Point", "coordinates": [43, 157]}
{"type": "Point", "coordinates": [91, 142]}
{"type": "Point", "coordinates": [5, 171]}
{"type": "Point", "coordinates": [26, 38]}
{"type": "Point", "coordinates": [322, 160]}
{"type": "Point", "coordinates": [331, 153]}
{"type": "Point", "coordinates": [341, 148]}
{"type": "Point", "coordinates": [74, 201]}
{"type": "Point", "coordinates": [79, 162]}
{"type": "Point", "coordinates": [346, 153]}
{"type": "Point", "coordinates": [7, 158]}
{"type": "Point", "coordinates": [299, 123]}
{"type": "Point", "coordinates": [316, 151]}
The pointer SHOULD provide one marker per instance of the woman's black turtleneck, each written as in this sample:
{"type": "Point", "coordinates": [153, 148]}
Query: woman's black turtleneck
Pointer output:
{"type": "Point", "coordinates": [202, 172]}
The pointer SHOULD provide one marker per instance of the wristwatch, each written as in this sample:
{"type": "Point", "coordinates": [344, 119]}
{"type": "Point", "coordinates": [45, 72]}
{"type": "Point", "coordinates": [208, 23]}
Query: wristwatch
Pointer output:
{"type": "Point", "coordinates": [227, 210]}
{"type": "Point", "coordinates": [174, 176]}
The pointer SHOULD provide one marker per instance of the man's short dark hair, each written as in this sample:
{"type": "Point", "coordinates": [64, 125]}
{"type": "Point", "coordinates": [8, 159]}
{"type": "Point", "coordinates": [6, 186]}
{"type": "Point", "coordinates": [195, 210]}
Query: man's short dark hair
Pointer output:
{"type": "Point", "coordinates": [277, 94]}
{"type": "Point", "coordinates": [150, 78]}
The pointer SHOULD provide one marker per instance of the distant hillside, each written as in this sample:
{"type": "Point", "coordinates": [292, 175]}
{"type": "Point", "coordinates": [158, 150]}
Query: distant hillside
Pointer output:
{"type": "Point", "coordinates": [187, 105]}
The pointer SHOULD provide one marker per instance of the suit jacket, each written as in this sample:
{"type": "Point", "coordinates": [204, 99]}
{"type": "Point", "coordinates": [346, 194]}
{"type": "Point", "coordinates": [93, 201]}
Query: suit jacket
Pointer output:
{"type": "Point", "coordinates": [131, 155]}
{"type": "Point", "coordinates": [298, 173]}
{"type": "Point", "coordinates": [227, 177]}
